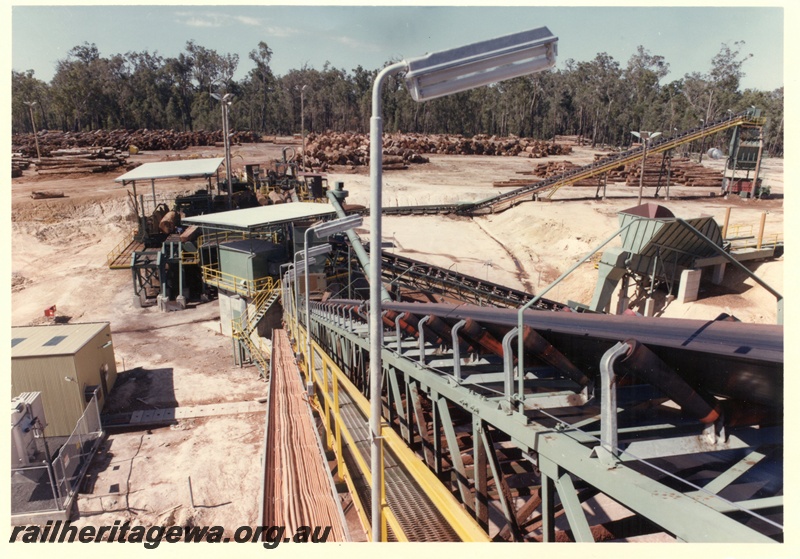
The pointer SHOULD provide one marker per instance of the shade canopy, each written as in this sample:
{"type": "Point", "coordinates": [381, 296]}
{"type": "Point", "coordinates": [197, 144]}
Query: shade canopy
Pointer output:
{"type": "Point", "coordinates": [189, 168]}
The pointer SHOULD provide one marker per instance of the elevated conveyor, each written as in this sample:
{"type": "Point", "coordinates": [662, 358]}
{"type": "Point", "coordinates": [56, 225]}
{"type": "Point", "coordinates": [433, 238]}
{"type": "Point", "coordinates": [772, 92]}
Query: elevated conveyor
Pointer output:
{"type": "Point", "coordinates": [549, 186]}
{"type": "Point", "coordinates": [693, 452]}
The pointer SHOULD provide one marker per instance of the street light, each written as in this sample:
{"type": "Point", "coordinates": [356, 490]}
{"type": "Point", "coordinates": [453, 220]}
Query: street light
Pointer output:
{"type": "Point", "coordinates": [226, 101]}
{"type": "Point", "coordinates": [703, 143]}
{"type": "Point", "coordinates": [33, 123]}
{"type": "Point", "coordinates": [303, 123]}
{"type": "Point", "coordinates": [302, 265]}
{"type": "Point", "coordinates": [428, 77]}
{"type": "Point", "coordinates": [321, 230]}
{"type": "Point", "coordinates": [645, 137]}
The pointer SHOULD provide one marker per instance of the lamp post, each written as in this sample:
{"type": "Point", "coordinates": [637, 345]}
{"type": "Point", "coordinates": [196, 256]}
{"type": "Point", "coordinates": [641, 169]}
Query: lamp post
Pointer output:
{"type": "Point", "coordinates": [324, 229]}
{"type": "Point", "coordinates": [303, 123]}
{"type": "Point", "coordinates": [703, 142]}
{"type": "Point", "coordinates": [33, 123]}
{"type": "Point", "coordinates": [226, 101]}
{"type": "Point", "coordinates": [645, 137]}
{"type": "Point", "coordinates": [428, 77]}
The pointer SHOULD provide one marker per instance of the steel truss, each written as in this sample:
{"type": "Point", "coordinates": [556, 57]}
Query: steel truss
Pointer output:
{"type": "Point", "coordinates": [535, 464]}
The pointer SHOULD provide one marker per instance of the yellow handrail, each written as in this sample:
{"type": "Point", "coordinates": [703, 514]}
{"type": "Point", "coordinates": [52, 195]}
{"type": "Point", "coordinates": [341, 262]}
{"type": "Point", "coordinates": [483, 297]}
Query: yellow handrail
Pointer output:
{"type": "Point", "coordinates": [239, 285]}
{"type": "Point", "coordinates": [118, 250]}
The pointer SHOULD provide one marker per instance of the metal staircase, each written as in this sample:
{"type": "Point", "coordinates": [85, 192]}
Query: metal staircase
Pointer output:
{"type": "Point", "coordinates": [244, 327]}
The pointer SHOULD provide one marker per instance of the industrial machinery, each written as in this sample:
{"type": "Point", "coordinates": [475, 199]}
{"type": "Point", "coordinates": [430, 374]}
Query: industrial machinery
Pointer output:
{"type": "Point", "coordinates": [27, 424]}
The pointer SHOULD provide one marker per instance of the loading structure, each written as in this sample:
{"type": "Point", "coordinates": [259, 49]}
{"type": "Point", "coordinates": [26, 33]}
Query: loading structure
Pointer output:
{"type": "Point", "coordinates": [240, 256]}
{"type": "Point", "coordinates": [545, 189]}
{"type": "Point", "coordinates": [658, 248]}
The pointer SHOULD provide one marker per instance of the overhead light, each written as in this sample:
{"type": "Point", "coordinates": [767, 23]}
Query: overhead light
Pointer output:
{"type": "Point", "coordinates": [337, 225]}
{"type": "Point", "coordinates": [462, 68]}
{"type": "Point", "coordinates": [317, 250]}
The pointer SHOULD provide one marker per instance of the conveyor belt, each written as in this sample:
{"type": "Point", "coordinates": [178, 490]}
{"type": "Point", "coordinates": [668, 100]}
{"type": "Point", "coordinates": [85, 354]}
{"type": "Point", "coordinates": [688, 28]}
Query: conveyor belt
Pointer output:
{"type": "Point", "coordinates": [298, 489]}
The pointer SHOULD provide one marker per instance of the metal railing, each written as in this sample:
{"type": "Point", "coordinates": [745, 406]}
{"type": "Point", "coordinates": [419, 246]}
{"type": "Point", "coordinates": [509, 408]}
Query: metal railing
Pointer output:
{"type": "Point", "coordinates": [235, 284]}
{"type": "Point", "coordinates": [219, 237]}
{"type": "Point", "coordinates": [119, 250]}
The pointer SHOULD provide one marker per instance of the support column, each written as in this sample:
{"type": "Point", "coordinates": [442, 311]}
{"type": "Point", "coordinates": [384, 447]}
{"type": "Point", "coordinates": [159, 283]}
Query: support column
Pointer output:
{"type": "Point", "coordinates": [718, 274]}
{"type": "Point", "coordinates": [479, 474]}
{"type": "Point", "coordinates": [690, 286]}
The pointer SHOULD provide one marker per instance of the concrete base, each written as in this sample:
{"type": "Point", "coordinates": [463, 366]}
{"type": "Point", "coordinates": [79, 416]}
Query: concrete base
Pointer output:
{"type": "Point", "coordinates": [690, 286]}
{"type": "Point", "coordinates": [230, 307]}
{"type": "Point", "coordinates": [718, 274]}
{"type": "Point", "coordinates": [181, 301]}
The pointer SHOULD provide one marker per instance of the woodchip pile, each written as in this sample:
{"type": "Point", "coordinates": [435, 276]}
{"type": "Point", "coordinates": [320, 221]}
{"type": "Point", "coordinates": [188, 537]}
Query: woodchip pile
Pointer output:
{"type": "Point", "coordinates": [400, 150]}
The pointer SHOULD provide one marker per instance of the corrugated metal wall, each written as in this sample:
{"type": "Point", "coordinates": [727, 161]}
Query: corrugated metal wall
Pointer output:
{"type": "Point", "coordinates": [63, 399]}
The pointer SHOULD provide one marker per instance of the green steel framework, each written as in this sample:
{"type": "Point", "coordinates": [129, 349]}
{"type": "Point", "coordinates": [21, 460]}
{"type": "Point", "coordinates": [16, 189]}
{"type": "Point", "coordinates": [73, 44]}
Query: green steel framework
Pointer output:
{"type": "Point", "coordinates": [567, 457]}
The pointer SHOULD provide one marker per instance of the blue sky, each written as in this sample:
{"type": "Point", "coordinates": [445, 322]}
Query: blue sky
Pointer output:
{"type": "Point", "coordinates": [352, 35]}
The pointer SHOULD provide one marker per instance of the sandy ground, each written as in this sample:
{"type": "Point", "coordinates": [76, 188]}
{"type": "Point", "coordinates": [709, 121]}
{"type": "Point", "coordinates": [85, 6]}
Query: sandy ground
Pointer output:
{"type": "Point", "coordinates": [59, 249]}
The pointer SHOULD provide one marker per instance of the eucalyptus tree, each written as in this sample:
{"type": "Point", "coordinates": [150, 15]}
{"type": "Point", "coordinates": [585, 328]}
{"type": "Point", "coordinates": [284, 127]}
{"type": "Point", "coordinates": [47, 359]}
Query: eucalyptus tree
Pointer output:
{"type": "Point", "coordinates": [29, 95]}
{"type": "Point", "coordinates": [642, 89]}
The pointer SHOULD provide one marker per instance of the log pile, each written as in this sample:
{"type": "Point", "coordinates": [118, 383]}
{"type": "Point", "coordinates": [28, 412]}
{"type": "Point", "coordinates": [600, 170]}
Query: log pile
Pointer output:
{"type": "Point", "coordinates": [122, 140]}
{"type": "Point", "coordinates": [400, 150]}
{"type": "Point", "coordinates": [683, 172]}
{"type": "Point", "coordinates": [18, 164]}
{"type": "Point", "coordinates": [77, 160]}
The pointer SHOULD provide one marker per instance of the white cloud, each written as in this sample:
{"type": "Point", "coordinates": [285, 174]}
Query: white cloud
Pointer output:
{"type": "Point", "coordinates": [354, 44]}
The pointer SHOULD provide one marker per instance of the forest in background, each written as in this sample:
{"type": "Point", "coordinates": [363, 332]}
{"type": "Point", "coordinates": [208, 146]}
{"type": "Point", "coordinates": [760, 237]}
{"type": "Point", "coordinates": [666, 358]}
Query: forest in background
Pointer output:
{"type": "Point", "coordinates": [601, 99]}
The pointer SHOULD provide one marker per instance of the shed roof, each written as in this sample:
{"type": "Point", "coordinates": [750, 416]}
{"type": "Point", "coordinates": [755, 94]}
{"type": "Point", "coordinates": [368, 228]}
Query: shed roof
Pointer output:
{"type": "Point", "coordinates": [58, 339]}
{"type": "Point", "coordinates": [190, 168]}
{"type": "Point", "coordinates": [262, 216]}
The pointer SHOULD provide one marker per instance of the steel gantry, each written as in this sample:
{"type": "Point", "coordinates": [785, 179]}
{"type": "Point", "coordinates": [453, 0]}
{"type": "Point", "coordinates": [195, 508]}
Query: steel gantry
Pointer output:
{"type": "Point", "coordinates": [672, 422]}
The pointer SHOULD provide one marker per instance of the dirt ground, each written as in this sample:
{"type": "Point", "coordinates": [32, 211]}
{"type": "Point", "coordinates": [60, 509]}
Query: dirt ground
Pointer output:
{"type": "Point", "coordinates": [180, 359]}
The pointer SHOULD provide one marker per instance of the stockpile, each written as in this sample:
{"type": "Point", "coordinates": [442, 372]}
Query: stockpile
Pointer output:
{"type": "Point", "coordinates": [18, 164]}
{"type": "Point", "coordinates": [683, 171]}
{"type": "Point", "coordinates": [81, 160]}
{"type": "Point", "coordinates": [122, 140]}
{"type": "Point", "coordinates": [399, 150]}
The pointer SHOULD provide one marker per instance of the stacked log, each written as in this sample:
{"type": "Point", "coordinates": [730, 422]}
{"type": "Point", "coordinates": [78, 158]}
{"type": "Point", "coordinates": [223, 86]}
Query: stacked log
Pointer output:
{"type": "Point", "coordinates": [122, 140]}
{"type": "Point", "coordinates": [556, 168]}
{"type": "Point", "coordinates": [683, 172]}
{"type": "Point", "coordinates": [18, 164]}
{"type": "Point", "coordinates": [81, 161]}
{"type": "Point", "coordinates": [400, 150]}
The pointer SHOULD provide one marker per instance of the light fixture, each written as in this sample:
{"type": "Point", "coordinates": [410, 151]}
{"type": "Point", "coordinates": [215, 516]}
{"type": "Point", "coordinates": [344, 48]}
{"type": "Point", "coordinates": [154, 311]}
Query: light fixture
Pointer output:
{"type": "Point", "coordinates": [446, 72]}
{"type": "Point", "coordinates": [337, 226]}
{"type": "Point", "coordinates": [324, 229]}
{"type": "Point", "coordinates": [428, 77]}
{"type": "Point", "coordinates": [317, 251]}
{"type": "Point", "coordinates": [645, 136]}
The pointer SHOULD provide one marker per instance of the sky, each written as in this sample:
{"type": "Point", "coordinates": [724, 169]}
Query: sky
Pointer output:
{"type": "Point", "coordinates": [347, 36]}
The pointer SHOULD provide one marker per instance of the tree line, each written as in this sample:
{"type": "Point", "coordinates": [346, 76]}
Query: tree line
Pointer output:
{"type": "Point", "coordinates": [600, 99]}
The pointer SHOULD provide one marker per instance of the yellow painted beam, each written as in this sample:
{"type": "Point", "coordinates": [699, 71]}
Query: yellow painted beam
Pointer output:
{"type": "Point", "coordinates": [454, 513]}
